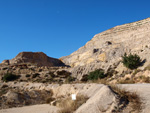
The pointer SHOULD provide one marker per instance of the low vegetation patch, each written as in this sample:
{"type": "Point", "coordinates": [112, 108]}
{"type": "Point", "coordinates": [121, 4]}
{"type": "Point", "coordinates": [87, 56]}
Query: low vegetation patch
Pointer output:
{"type": "Point", "coordinates": [147, 67]}
{"type": "Point", "coordinates": [70, 79]}
{"type": "Point", "coordinates": [69, 106]}
{"type": "Point", "coordinates": [129, 97]}
{"type": "Point", "coordinates": [97, 74]}
{"type": "Point", "coordinates": [143, 79]}
{"type": "Point", "coordinates": [126, 81]}
{"type": "Point", "coordinates": [9, 77]}
{"type": "Point", "coordinates": [49, 100]}
{"type": "Point", "coordinates": [131, 61]}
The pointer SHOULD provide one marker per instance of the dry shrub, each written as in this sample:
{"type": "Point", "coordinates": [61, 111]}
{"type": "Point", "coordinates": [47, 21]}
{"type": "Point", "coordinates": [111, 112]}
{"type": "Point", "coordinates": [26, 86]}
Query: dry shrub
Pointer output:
{"type": "Point", "coordinates": [69, 106]}
{"type": "Point", "coordinates": [101, 81]}
{"type": "Point", "coordinates": [132, 80]}
{"type": "Point", "coordinates": [147, 67]}
{"type": "Point", "coordinates": [135, 72]}
{"type": "Point", "coordinates": [126, 81]}
{"type": "Point", "coordinates": [49, 100]}
{"type": "Point", "coordinates": [105, 81]}
{"type": "Point", "coordinates": [130, 97]}
{"type": "Point", "coordinates": [144, 79]}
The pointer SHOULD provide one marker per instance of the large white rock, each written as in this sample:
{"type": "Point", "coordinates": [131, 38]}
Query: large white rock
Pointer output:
{"type": "Point", "coordinates": [103, 101]}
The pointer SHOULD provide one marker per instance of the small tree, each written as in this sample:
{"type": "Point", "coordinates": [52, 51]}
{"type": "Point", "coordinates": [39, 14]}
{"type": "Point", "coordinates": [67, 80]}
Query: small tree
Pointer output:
{"type": "Point", "coordinates": [9, 77]}
{"type": "Point", "coordinates": [94, 75]}
{"type": "Point", "coordinates": [131, 61]}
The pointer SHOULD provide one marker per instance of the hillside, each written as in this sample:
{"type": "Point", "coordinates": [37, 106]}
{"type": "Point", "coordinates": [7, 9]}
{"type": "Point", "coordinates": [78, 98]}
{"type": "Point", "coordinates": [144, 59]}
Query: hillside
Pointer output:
{"type": "Point", "coordinates": [105, 50]}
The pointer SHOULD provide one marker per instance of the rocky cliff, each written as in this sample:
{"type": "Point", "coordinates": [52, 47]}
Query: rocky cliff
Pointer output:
{"type": "Point", "coordinates": [35, 67]}
{"type": "Point", "coordinates": [105, 49]}
{"type": "Point", "coordinates": [37, 58]}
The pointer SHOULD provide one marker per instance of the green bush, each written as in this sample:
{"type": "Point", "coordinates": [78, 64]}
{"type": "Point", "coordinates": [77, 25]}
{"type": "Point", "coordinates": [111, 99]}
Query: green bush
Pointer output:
{"type": "Point", "coordinates": [131, 61]}
{"type": "Point", "coordinates": [97, 74]}
{"type": "Point", "coordinates": [9, 77]}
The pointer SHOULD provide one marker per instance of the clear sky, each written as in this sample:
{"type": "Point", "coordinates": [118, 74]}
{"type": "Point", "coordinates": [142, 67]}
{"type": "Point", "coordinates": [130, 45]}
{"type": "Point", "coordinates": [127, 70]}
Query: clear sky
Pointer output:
{"type": "Point", "coordinates": [60, 27]}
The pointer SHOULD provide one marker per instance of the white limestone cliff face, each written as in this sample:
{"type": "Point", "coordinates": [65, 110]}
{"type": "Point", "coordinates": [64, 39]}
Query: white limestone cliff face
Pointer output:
{"type": "Point", "coordinates": [105, 50]}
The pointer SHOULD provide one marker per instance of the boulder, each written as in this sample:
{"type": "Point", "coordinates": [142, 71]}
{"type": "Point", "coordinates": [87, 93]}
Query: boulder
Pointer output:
{"type": "Point", "coordinates": [12, 96]}
{"type": "Point", "coordinates": [105, 100]}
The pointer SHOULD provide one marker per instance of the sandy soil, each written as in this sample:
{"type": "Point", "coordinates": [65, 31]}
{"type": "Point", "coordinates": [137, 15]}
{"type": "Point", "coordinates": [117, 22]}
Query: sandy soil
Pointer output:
{"type": "Point", "coordinates": [44, 108]}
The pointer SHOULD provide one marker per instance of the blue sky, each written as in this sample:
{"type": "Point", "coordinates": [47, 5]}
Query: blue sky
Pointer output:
{"type": "Point", "coordinates": [60, 27]}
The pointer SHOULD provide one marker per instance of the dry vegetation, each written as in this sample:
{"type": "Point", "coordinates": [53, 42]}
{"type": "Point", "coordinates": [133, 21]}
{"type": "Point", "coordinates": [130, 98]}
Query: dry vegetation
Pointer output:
{"type": "Point", "coordinates": [131, 98]}
{"type": "Point", "coordinates": [14, 97]}
{"type": "Point", "coordinates": [126, 81]}
{"type": "Point", "coordinates": [69, 106]}
{"type": "Point", "coordinates": [147, 67]}
{"type": "Point", "coordinates": [140, 79]}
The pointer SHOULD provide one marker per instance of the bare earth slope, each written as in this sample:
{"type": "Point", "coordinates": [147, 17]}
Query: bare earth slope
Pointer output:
{"type": "Point", "coordinates": [105, 49]}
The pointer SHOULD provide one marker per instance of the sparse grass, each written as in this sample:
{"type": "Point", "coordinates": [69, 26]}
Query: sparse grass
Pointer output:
{"type": "Point", "coordinates": [136, 71]}
{"type": "Point", "coordinates": [147, 67]}
{"type": "Point", "coordinates": [129, 97]}
{"type": "Point", "coordinates": [126, 81]}
{"type": "Point", "coordinates": [100, 81]}
{"type": "Point", "coordinates": [3, 91]}
{"type": "Point", "coordinates": [140, 79]}
{"type": "Point", "coordinates": [144, 79]}
{"type": "Point", "coordinates": [49, 100]}
{"type": "Point", "coordinates": [70, 79]}
{"type": "Point", "coordinates": [69, 106]}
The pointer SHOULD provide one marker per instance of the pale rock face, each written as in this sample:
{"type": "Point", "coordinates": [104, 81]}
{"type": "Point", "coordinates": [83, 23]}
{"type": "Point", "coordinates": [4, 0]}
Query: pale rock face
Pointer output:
{"type": "Point", "coordinates": [103, 101]}
{"type": "Point", "coordinates": [106, 49]}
